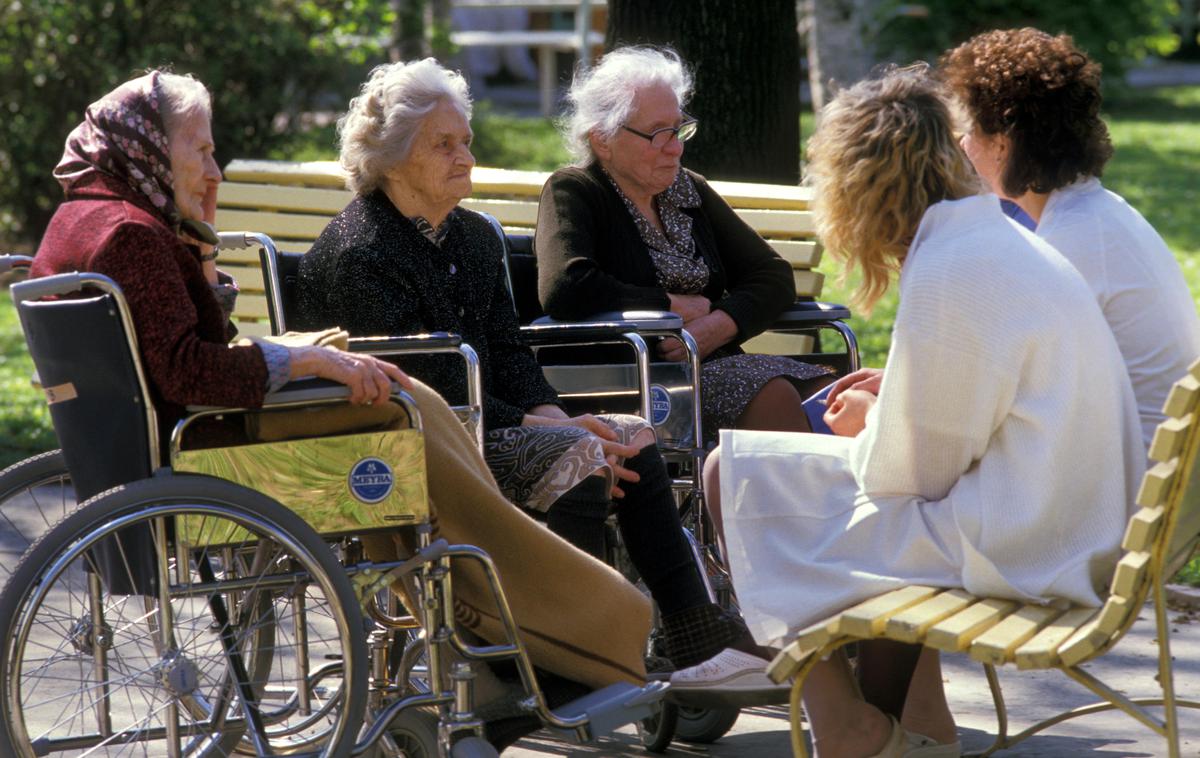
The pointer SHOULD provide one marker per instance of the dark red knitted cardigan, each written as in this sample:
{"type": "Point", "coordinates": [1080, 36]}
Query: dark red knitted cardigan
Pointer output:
{"type": "Point", "coordinates": [105, 227]}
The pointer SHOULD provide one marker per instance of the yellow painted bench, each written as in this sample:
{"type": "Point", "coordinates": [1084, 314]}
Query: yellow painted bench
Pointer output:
{"type": "Point", "coordinates": [293, 202]}
{"type": "Point", "coordinates": [1162, 534]}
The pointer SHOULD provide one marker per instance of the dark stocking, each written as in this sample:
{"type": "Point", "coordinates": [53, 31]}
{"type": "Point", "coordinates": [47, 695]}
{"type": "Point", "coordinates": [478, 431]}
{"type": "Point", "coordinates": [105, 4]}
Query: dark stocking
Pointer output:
{"type": "Point", "coordinates": [653, 535]}
{"type": "Point", "coordinates": [579, 515]}
{"type": "Point", "coordinates": [884, 669]}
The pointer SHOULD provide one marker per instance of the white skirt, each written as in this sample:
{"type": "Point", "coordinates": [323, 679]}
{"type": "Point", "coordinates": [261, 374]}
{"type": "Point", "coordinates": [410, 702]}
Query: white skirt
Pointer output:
{"type": "Point", "coordinates": [804, 543]}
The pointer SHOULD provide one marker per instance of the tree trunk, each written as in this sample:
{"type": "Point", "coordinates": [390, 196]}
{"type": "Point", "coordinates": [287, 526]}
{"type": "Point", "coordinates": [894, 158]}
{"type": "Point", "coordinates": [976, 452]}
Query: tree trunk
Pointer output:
{"type": "Point", "coordinates": [839, 49]}
{"type": "Point", "coordinates": [746, 58]}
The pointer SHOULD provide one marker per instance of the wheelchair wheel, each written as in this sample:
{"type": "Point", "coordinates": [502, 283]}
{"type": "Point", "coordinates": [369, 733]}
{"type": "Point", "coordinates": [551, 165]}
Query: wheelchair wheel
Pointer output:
{"type": "Point", "coordinates": [216, 659]}
{"type": "Point", "coordinates": [35, 494]}
{"type": "Point", "coordinates": [657, 731]}
{"type": "Point", "coordinates": [705, 725]}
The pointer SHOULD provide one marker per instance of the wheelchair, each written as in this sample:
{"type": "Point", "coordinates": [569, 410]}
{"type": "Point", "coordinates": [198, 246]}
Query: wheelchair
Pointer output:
{"type": "Point", "coordinates": [191, 609]}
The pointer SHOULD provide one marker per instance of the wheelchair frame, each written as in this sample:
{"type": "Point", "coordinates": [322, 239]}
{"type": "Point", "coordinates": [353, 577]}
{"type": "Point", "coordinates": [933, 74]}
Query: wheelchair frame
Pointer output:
{"type": "Point", "coordinates": [582, 719]}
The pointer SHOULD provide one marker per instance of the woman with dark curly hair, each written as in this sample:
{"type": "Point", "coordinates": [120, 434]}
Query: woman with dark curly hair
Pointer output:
{"type": "Point", "coordinates": [1037, 139]}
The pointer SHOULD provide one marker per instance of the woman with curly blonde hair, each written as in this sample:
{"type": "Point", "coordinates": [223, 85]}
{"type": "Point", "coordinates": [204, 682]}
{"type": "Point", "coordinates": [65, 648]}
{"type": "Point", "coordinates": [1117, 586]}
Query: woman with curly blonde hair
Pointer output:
{"type": "Point", "coordinates": [954, 477]}
{"type": "Point", "coordinates": [1037, 139]}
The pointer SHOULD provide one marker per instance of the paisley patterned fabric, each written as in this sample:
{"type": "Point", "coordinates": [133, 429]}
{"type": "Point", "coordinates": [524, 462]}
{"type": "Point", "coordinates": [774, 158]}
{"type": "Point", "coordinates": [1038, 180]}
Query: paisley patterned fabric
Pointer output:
{"type": "Point", "coordinates": [673, 250]}
{"type": "Point", "coordinates": [536, 465]}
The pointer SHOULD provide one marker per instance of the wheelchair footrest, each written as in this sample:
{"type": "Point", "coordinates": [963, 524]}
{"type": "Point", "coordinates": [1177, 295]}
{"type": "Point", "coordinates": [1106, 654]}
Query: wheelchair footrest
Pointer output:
{"type": "Point", "coordinates": [614, 706]}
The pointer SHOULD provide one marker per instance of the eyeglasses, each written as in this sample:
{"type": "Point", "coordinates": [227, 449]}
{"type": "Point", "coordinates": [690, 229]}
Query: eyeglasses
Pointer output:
{"type": "Point", "coordinates": [660, 137]}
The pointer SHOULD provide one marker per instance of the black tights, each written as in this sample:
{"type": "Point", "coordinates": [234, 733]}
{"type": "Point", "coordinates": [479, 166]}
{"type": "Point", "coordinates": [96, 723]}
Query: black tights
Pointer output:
{"type": "Point", "coordinates": [883, 669]}
{"type": "Point", "coordinates": [650, 528]}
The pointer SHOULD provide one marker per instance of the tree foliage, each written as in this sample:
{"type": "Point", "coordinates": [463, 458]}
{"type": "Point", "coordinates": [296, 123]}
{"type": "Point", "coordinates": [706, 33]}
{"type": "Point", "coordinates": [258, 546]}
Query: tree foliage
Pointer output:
{"type": "Point", "coordinates": [1113, 32]}
{"type": "Point", "coordinates": [263, 60]}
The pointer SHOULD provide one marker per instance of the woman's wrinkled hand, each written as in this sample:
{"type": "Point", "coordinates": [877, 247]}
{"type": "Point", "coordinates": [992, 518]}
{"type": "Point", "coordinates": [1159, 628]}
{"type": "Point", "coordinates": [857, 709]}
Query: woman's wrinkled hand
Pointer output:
{"type": "Point", "coordinates": [690, 307]}
{"type": "Point", "coordinates": [847, 416]}
{"type": "Point", "coordinates": [865, 379]}
{"type": "Point", "coordinates": [710, 332]}
{"type": "Point", "coordinates": [368, 378]}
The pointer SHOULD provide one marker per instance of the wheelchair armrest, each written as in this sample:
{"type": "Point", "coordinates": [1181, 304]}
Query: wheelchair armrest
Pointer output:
{"type": "Point", "coordinates": [308, 390]}
{"type": "Point", "coordinates": [625, 320]}
{"type": "Point", "coordinates": [10, 262]}
{"type": "Point", "coordinates": [556, 333]}
{"type": "Point", "coordinates": [60, 284]}
{"type": "Point", "coordinates": [807, 313]}
{"type": "Point", "coordinates": [413, 343]}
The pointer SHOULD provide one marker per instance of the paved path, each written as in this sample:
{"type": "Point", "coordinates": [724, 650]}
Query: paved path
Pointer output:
{"type": "Point", "coordinates": [1130, 667]}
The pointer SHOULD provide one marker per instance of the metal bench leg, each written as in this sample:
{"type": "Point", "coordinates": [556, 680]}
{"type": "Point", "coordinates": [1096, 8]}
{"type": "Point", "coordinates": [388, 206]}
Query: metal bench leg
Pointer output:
{"type": "Point", "coordinates": [1001, 740]}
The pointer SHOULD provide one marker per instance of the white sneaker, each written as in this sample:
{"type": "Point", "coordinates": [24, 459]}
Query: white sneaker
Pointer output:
{"type": "Point", "coordinates": [729, 670]}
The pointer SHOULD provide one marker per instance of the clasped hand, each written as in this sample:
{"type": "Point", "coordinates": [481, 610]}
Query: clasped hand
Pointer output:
{"type": "Point", "coordinates": [709, 328]}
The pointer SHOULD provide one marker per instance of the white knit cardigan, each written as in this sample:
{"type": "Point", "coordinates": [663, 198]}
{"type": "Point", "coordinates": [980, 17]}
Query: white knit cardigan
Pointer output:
{"type": "Point", "coordinates": [1002, 456]}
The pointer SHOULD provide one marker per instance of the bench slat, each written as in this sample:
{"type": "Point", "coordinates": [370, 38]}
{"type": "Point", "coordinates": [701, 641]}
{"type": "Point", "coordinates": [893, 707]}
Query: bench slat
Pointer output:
{"type": "Point", "coordinates": [1133, 570]}
{"type": "Point", "coordinates": [911, 624]}
{"type": "Point", "coordinates": [1097, 633]}
{"type": "Point", "coordinates": [282, 198]}
{"type": "Point", "coordinates": [1143, 528]}
{"type": "Point", "coordinates": [1183, 397]}
{"type": "Point", "coordinates": [996, 645]}
{"type": "Point", "coordinates": [867, 619]}
{"type": "Point", "coordinates": [253, 328]}
{"type": "Point", "coordinates": [806, 641]}
{"type": "Point", "coordinates": [507, 212]}
{"type": "Point", "coordinates": [1169, 437]}
{"type": "Point", "coordinates": [276, 225]}
{"type": "Point", "coordinates": [250, 305]}
{"type": "Point", "coordinates": [771, 223]}
{"type": "Point", "coordinates": [1041, 652]}
{"type": "Point", "coordinates": [955, 633]}
{"type": "Point", "coordinates": [1156, 483]}
{"type": "Point", "coordinates": [800, 254]}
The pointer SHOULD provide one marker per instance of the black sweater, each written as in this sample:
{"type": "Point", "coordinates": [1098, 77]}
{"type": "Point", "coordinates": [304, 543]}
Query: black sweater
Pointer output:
{"type": "Point", "coordinates": [592, 259]}
{"type": "Point", "coordinates": [372, 273]}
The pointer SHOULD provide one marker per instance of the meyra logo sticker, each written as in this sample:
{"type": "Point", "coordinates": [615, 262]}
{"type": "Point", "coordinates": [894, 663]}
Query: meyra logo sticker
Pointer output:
{"type": "Point", "coordinates": [660, 404]}
{"type": "Point", "coordinates": [371, 480]}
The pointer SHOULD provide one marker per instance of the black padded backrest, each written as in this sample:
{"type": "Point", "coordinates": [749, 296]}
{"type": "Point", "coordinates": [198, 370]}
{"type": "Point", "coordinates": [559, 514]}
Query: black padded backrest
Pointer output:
{"type": "Point", "coordinates": [289, 280]}
{"type": "Point", "coordinates": [522, 270]}
{"type": "Point", "coordinates": [84, 364]}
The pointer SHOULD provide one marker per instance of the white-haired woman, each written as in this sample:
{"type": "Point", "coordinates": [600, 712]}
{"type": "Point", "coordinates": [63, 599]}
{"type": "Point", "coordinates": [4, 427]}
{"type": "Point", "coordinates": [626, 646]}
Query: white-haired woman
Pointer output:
{"type": "Point", "coordinates": [628, 228]}
{"type": "Point", "coordinates": [403, 258]}
{"type": "Point", "coordinates": [955, 477]}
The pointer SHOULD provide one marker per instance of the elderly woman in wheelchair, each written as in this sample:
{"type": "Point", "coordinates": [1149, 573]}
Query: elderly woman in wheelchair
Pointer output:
{"type": "Point", "coordinates": [403, 257]}
{"type": "Point", "coordinates": [202, 615]}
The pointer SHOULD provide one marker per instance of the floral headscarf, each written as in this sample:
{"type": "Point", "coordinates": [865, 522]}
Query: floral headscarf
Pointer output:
{"type": "Point", "coordinates": [123, 134]}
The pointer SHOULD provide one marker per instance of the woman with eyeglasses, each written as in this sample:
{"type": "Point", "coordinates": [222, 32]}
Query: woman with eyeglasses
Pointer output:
{"type": "Point", "coordinates": [628, 228]}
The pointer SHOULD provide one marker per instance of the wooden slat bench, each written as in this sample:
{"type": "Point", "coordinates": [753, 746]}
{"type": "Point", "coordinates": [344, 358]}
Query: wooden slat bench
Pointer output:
{"type": "Point", "coordinates": [1162, 534]}
{"type": "Point", "coordinates": [292, 202]}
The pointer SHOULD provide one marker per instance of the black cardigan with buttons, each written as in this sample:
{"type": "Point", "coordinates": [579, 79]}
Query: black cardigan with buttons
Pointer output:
{"type": "Point", "coordinates": [591, 258]}
{"type": "Point", "coordinates": [372, 273]}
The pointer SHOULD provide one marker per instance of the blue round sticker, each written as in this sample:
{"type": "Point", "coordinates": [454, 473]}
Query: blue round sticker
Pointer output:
{"type": "Point", "coordinates": [371, 480]}
{"type": "Point", "coordinates": [660, 404]}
